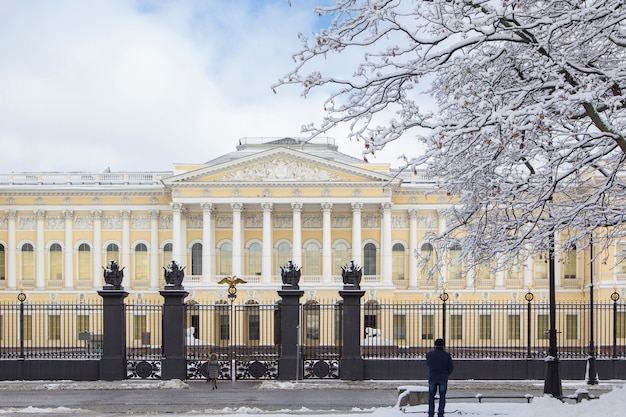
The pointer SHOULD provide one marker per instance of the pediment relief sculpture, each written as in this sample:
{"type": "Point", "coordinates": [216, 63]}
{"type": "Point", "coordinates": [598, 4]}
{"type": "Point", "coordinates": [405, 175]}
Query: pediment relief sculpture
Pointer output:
{"type": "Point", "coordinates": [281, 169]}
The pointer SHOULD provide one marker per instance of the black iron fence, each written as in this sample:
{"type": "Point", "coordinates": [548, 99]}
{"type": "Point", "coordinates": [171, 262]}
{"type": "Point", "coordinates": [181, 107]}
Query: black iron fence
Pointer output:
{"type": "Point", "coordinates": [251, 332]}
{"type": "Point", "coordinates": [50, 330]}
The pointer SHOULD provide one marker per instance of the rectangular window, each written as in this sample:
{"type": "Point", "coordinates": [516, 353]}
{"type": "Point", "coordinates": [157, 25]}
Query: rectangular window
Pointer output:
{"type": "Point", "coordinates": [543, 323]}
{"type": "Point", "coordinates": [456, 326]}
{"type": "Point", "coordinates": [399, 327]}
{"type": "Point", "coordinates": [485, 326]}
{"type": "Point", "coordinates": [571, 326]}
{"type": "Point", "coordinates": [514, 327]}
{"type": "Point", "coordinates": [428, 327]}
{"type": "Point", "coordinates": [254, 328]}
{"type": "Point", "coordinates": [312, 325]}
{"type": "Point", "coordinates": [54, 327]}
{"type": "Point", "coordinates": [139, 326]}
{"type": "Point", "coordinates": [224, 326]}
{"type": "Point", "coordinates": [82, 324]}
{"type": "Point", "coordinates": [620, 325]}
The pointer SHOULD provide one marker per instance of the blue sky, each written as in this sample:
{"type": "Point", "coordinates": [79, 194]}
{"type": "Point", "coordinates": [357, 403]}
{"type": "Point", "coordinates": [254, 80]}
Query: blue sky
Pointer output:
{"type": "Point", "coordinates": [141, 85]}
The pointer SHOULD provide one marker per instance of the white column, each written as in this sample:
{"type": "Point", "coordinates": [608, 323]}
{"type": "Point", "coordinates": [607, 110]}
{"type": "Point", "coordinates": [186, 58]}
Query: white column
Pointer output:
{"type": "Point", "coordinates": [40, 277]}
{"type": "Point", "coordinates": [69, 250]}
{"type": "Point", "coordinates": [12, 251]}
{"type": "Point", "coordinates": [499, 283]}
{"type": "Point", "coordinates": [176, 238]}
{"type": "Point", "coordinates": [185, 259]}
{"type": "Point", "coordinates": [356, 233]}
{"type": "Point", "coordinates": [327, 265]}
{"type": "Point", "coordinates": [125, 255]}
{"type": "Point", "coordinates": [386, 257]}
{"type": "Point", "coordinates": [412, 249]}
{"type": "Point", "coordinates": [207, 243]}
{"type": "Point", "coordinates": [527, 265]}
{"type": "Point", "coordinates": [237, 239]}
{"type": "Point", "coordinates": [296, 253]}
{"type": "Point", "coordinates": [98, 272]}
{"type": "Point", "coordinates": [266, 260]}
{"type": "Point", "coordinates": [442, 253]}
{"type": "Point", "coordinates": [155, 268]}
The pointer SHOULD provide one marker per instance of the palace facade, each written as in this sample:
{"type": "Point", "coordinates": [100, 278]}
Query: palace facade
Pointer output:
{"type": "Point", "coordinates": [246, 214]}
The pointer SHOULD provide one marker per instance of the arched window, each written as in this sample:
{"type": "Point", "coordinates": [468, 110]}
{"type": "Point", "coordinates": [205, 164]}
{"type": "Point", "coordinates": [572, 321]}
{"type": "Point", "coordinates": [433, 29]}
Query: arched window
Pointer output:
{"type": "Point", "coordinates": [569, 267]}
{"type": "Point", "coordinates": [340, 253]}
{"type": "Point", "coordinates": [84, 261]}
{"type": "Point", "coordinates": [427, 262]}
{"type": "Point", "coordinates": [28, 262]}
{"type": "Point", "coordinates": [113, 253]}
{"type": "Point", "coordinates": [167, 254]}
{"type": "Point", "coordinates": [254, 259]}
{"type": "Point", "coordinates": [397, 261]}
{"type": "Point", "coordinates": [3, 273]}
{"type": "Point", "coordinates": [196, 259]}
{"type": "Point", "coordinates": [312, 259]}
{"type": "Point", "coordinates": [141, 262]}
{"type": "Point", "coordinates": [283, 255]}
{"type": "Point", "coordinates": [56, 262]}
{"type": "Point", "coordinates": [226, 258]}
{"type": "Point", "coordinates": [454, 269]}
{"type": "Point", "coordinates": [369, 259]}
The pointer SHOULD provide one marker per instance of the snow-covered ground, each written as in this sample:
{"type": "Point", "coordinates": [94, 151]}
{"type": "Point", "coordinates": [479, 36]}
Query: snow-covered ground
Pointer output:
{"type": "Point", "coordinates": [610, 404]}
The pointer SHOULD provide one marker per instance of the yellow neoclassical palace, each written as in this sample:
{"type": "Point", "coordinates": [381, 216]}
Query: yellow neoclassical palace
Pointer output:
{"type": "Point", "coordinates": [246, 214]}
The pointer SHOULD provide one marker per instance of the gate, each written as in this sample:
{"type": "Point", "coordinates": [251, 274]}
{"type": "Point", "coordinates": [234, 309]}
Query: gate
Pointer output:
{"type": "Point", "coordinates": [321, 338]}
{"type": "Point", "coordinates": [245, 338]}
{"type": "Point", "coordinates": [143, 340]}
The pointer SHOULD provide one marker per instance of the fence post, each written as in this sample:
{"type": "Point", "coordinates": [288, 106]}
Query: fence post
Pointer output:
{"type": "Point", "coordinates": [174, 363]}
{"type": "Point", "coordinates": [288, 364]}
{"type": "Point", "coordinates": [351, 363]}
{"type": "Point", "coordinates": [113, 361]}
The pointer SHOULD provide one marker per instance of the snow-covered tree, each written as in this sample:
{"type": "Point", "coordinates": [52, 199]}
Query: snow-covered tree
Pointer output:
{"type": "Point", "coordinates": [520, 105]}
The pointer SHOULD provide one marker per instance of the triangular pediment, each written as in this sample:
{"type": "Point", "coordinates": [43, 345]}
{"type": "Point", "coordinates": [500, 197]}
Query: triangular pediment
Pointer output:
{"type": "Point", "coordinates": [280, 165]}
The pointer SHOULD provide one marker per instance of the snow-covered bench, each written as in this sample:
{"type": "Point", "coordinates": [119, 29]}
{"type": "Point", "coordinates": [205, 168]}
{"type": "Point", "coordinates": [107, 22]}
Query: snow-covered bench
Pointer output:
{"type": "Point", "coordinates": [412, 395]}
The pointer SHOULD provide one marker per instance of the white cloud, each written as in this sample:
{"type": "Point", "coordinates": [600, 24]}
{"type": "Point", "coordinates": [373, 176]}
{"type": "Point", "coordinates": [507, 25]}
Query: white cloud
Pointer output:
{"type": "Point", "coordinates": [138, 86]}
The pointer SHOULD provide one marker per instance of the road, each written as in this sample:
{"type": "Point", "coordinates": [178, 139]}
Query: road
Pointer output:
{"type": "Point", "coordinates": [177, 397]}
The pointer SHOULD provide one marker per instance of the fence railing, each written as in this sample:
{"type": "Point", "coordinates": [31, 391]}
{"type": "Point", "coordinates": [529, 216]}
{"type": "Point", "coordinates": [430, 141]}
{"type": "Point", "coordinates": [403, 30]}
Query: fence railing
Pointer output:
{"type": "Point", "coordinates": [50, 330]}
{"type": "Point", "coordinates": [252, 331]}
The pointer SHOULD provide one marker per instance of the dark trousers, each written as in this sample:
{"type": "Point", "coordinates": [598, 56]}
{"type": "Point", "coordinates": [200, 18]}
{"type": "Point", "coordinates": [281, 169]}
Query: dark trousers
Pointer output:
{"type": "Point", "coordinates": [442, 386]}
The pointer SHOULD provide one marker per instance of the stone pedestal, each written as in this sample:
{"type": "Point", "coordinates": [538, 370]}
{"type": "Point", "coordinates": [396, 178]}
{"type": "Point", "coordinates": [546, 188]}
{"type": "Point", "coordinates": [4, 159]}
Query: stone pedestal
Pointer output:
{"type": "Point", "coordinates": [289, 364]}
{"type": "Point", "coordinates": [174, 363]}
{"type": "Point", "coordinates": [113, 361]}
{"type": "Point", "coordinates": [351, 362]}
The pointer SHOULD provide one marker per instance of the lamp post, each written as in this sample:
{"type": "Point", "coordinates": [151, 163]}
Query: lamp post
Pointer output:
{"type": "Point", "coordinates": [529, 296]}
{"type": "Point", "coordinates": [615, 298]}
{"type": "Point", "coordinates": [21, 297]}
{"type": "Point", "coordinates": [591, 378]}
{"type": "Point", "coordinates": [552, 385]}
{"type": "Point", "coordinates": [444, 297]}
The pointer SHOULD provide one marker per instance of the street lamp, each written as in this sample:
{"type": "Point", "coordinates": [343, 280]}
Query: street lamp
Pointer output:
{"type": "Point", "coordinates": [615, 298]}
{"type": "Point", "coordinates": [21, 297]}
{"type": "Point", "coordinates": [529, 296]}
{"type": "Point", "coordinates": [444, 297]}
{"type": "Point", "coordinates": [552, 385]}
{"type": "Point", "coordinates": [591, 378]}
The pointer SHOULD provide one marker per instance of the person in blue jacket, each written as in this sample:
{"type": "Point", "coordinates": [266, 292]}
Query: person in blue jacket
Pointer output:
{"type": "Point", "coordinates": [440, 367]}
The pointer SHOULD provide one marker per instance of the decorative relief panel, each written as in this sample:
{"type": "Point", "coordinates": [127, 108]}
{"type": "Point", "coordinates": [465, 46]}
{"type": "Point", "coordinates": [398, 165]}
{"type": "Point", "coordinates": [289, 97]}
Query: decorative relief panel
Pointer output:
{"type": "Point", "coordinates": [254, 221]}
{"type": "Point", "coordinates": [165, 222]}
{"type": "Point", "coordinates": [4, 224]}
{"type": "Point", "coordinates": [140, 222]}
{"type": "Point", "coordinates": [83, 222]}
{"type": "Point", "coordinates": [194, 221]}
{"type": "Point", "coordinates": [224, 221]}
{"type": "Point", "coordinates": [370, 221]}
{"type": "Point", "coordinates": [26, 223]}
{"type": "Point", "coordinates": [340, 221]}
{"type": "Point", "coordinates": [427, 221]}
{"type": "Point", "coordinates": [281, 169]}
{"type": "Point", "coordinates": [55, 223]}
{"type": "Point", "coordinates": [111, 222]}
{"type": "Point", "coordinates": [283, 221]}
{"type": "Point", "coordinates": [399, 221]}
{"type": "Point", "coordinates": [312, 220]}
